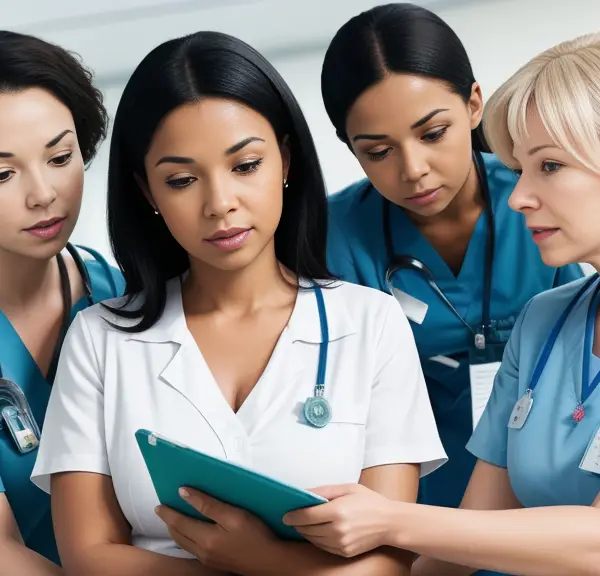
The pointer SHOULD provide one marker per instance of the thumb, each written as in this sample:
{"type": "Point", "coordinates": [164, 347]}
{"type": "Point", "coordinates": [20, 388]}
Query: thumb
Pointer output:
{"type": "Point", "coordinates": [206, 505]}
{"type": "Point", "coordinates": [335, 491]}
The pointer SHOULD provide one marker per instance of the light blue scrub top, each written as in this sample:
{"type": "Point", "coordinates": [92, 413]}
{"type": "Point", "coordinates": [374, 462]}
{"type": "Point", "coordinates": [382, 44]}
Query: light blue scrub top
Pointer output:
{"type": "Point", "coordinates": [357, 253]}
{"type": "Point", "coordinates": [543, 457]}
{"type": "Point", "coordinates": [30, 505]}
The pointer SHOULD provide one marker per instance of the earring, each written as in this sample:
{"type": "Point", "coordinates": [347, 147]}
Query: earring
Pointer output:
{"type": "Point", "coordinates": [285, 183]}
{"type": "Point", "coordinates": [156, 211]}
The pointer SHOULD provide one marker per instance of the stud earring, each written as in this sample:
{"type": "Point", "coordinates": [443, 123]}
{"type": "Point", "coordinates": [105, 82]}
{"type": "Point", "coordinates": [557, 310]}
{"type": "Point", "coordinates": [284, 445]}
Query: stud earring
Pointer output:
{"type": "Point", "coordinates": [156, 211]}
{"type": "Point", "coordinates": [285, 183]}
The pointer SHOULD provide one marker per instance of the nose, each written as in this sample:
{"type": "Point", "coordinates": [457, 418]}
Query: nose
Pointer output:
{"type": "Point", "coordinates": [41, 193]}
{"type": "Point", "coordinates": [524, 196]}
{"type": "Point", "coordinates": [220, 199]}
{"type": "Point", "coordinates": [415, 165]}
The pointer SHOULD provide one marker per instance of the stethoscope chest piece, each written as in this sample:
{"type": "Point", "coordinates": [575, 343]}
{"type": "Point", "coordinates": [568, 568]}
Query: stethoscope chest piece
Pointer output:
{"type": "Point", "coordinates": [317, 409]}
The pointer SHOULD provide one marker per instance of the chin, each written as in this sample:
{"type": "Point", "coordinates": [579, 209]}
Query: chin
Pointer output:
{"type": "Point", "coordinates": [558, 258]}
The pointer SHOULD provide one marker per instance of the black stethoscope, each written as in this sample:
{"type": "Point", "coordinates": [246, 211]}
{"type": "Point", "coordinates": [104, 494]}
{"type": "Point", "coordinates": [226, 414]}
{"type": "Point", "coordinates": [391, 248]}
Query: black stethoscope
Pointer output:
{"type": "Point", "coordinates": [65, 288]}
{"type": "Point", "coordinates": [403, 262]}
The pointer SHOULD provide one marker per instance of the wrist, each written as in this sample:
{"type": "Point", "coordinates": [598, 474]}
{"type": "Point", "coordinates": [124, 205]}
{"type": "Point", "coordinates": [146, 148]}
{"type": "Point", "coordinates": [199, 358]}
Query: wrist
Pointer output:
{"type": "Point", "coordinates": [401, 516]}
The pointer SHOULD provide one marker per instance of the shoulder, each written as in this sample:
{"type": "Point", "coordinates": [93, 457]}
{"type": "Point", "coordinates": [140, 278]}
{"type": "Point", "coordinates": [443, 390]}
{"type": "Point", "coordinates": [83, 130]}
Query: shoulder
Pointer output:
{"type": "Point", "coordinates": [349, 200]}
{"type": "Point", "coordinates": [106, 280]}
{"type": "Point", "coordinates": [369, 309]}
{"type": "Point", "coordinates": [501, 178]}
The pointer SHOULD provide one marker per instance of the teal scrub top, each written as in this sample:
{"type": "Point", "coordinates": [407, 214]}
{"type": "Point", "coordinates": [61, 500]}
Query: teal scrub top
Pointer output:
{"type": "Point", "coordinates": [30, 505]}
{"type": "Point", "coordinates": [543, 457]}
{"type": "Point", "coordinates": [357, 253]}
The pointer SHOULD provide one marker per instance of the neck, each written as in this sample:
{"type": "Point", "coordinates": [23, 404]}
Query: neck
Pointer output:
{"type": "Point", "coordinates": [23, 278]}
{"type": "Point", "coordinates": [262, 283]}
{"type": "Point", "coordinates": [467, 201]}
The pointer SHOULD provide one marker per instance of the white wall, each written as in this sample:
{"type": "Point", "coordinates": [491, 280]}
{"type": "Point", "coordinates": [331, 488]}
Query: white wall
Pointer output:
{"type": "Point", "coordinates": [499, 35]}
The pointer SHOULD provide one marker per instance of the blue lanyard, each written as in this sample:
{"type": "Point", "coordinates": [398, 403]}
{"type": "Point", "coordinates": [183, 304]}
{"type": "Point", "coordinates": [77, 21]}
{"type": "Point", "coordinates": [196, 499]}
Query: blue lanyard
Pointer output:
{"type": "Point", "coordinates": [588, 387]}
{"type": "Point", "coordinates": [537, 373]}
{"type": "Point", "coordinates": [317, 409]}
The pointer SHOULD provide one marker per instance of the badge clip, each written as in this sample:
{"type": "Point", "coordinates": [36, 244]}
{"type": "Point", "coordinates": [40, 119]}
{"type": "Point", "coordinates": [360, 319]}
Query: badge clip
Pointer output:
{"type": "Point", "coordinates": [16, 416]}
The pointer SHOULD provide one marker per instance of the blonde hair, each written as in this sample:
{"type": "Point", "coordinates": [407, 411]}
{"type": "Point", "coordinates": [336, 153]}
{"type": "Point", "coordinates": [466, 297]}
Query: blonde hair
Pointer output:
{"type": "Point", "coordinates": [563, 84]}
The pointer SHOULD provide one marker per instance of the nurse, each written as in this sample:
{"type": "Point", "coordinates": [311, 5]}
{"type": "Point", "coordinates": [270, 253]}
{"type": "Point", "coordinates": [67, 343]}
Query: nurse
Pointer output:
{"type": "Point", "coordinates": [533, 503]}
{"type": "Point", "coordinates": [51, 122]}
{"type": "Point", "coordinates": [431, 222]}
{"type": "Point", "coordinates": [217, 213]}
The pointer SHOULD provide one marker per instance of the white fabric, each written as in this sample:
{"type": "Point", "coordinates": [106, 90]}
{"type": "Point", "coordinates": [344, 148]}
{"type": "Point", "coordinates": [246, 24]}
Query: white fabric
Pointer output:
{"type": "Point", "coordinates": [110, 383]}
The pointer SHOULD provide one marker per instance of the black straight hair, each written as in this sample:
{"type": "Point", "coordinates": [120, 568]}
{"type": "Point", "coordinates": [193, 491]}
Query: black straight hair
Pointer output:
{"type": "Point", "coordinates": [393, 38]}
{"type": "Point", "coordinates": [29, 62]}
{"type": "Point", "coordinates": [181, 71]}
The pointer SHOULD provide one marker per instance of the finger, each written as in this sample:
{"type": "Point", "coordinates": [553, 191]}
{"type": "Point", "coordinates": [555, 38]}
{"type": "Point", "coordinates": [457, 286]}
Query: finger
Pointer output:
{"type": "Point", "coordinates": [223, 514]}
{"type": "Point", "coordinates": [315, 530]}
{"type": "Point", "coordinates": [335, 491]}
{"type": "Point", "coordinates": [320, 514]}
{"type": "Point", "coordinates": [189, 527]}
{"type": "Point", "coordinates": [185, 543]}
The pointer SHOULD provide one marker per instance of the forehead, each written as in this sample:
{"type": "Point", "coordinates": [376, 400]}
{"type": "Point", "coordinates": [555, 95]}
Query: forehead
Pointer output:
{"type": "Point", "coordinates": [535, 134]}
{"type": "Point", "coordinates": [402, 97]}
{"type": "Point", "coordinates": [209, 125]}
{"type": "Point", "coordinates": [31, 117]}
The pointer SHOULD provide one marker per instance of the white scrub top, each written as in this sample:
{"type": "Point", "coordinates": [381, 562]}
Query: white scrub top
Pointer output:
{"type": "Point", "coordinates": [110, 383]}
{"type": "Point", "coordinates": [543, 457]}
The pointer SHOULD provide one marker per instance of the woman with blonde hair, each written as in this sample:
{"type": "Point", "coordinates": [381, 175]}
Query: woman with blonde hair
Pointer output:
{"type": "Point", "coordinates": [532, 504]}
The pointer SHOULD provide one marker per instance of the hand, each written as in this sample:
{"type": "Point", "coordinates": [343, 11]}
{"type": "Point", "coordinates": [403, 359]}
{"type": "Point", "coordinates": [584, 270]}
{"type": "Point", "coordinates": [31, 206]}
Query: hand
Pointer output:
{"type": "Point", "coordinates": [234, 543]}
{"type": "Point", "coordinates": [356, 520]}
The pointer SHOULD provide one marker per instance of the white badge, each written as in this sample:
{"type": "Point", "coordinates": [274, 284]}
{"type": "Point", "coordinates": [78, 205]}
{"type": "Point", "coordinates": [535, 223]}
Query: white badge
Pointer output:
{"type": "Point", "coordinates": [482, 381]}
{"type": "Point", "coordinates": [591, 459]}
{"type": "Point", "coordinates": [520, 412]}
{"type": "Point", "coordinates": [414, 309]}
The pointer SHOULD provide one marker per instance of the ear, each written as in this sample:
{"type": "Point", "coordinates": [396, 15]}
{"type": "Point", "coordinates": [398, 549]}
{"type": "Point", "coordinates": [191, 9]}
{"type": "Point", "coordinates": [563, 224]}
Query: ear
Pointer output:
{"type": "Point", "coordinates": [145, 190]}
{"type": "Point", "coordinates": [286, 156]}
{"type": "Point", "coordinates": [475, 105]}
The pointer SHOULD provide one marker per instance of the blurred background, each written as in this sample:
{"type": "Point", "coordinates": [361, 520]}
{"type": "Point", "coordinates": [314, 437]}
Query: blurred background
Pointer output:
{"type": "Point", "coordinates": [112, 37]}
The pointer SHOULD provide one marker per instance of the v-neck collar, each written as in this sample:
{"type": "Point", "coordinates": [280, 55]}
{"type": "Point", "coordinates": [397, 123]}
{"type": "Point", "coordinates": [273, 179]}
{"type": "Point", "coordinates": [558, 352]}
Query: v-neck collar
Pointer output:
{"type": "Point", "coordinates": [408, 239]}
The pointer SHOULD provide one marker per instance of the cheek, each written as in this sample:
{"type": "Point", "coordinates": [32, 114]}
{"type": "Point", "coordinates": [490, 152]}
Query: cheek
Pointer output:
{"type": "Point", "coordinates": [69, 183]}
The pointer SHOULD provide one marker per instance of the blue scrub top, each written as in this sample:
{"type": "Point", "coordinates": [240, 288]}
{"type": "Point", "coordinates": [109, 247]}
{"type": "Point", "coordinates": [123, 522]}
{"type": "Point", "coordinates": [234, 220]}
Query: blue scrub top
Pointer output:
{"type": "Point", "coordinates": [357, 253]}
{"type": "Point", "coordinates": [30, 505]}
{"type": "Point", "coordinates": [543, 457]}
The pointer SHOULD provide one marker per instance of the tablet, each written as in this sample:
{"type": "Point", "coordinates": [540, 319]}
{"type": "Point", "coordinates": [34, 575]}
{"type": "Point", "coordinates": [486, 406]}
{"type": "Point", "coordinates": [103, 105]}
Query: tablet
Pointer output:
{"type": "Point", "coordinates": [172, 465]}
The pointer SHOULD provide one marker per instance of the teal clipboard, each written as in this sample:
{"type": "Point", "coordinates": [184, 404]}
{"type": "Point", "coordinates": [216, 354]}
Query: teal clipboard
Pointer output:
{"type": "Point", "coordinates": [172, 466]}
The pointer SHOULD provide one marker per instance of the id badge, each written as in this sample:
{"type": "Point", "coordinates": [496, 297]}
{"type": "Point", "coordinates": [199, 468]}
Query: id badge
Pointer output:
{"type": "Point", "coordinates": [16, 417]}
{"type": "Point", "coordinates": [591, 459]}
{"type": "Point", "coordinates": [483, 367]}
{"type": "Point", "coordinates": [521, 411]}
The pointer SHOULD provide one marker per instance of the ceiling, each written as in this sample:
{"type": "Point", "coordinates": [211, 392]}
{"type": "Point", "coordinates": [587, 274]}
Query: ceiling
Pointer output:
{"type": "Point", "coordinates": [112, 36]}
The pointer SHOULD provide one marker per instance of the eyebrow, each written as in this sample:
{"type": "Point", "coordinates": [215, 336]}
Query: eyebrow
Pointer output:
{"type": "Point", "coordinates": [417, 124]}
{"type": "Point", "coordinates": [50, 144]}
{"type": "Point", "coordinates": [535, 149]}
{"type": "Point", "coordinates": [231, 150]}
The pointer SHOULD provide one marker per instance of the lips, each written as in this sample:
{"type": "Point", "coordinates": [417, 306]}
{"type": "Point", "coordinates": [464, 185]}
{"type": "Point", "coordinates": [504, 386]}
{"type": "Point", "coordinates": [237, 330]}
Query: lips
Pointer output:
{"type": "Point", "coordinates": [45, 223]}
{"type": "Point", "coordinates": [228, 233]}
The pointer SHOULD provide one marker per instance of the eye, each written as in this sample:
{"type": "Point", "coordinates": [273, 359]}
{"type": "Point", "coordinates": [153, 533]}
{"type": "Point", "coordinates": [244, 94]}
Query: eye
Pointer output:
{"type": "Point", "coordinates": [247, 167]}
{"type": "Point", "coordinates": [549, 166]}
{"type": "Point", "coordinates": [436, 135]}
{"type": "Point", "coordinates": [61, 160]}
{"type": "Point", "coordinates": [5, 175]}
{"type": "Point", "coordinates": [379, 155]}
{"type": "Point", "coordinates": [181, 182]}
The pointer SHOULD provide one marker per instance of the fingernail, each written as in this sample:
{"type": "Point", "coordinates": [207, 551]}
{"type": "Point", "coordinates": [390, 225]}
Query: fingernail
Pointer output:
{"type": "Point", "coordinates": [184, 493]}
{"type": "Point", "coordinates": [157, 510]}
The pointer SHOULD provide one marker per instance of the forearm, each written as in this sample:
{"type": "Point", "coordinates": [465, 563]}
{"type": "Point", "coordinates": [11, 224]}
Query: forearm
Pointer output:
{"type": "Point", "coordinates": [299, 558]}
{"type": "Point", "coordinates": [529, 541]}
{"type": "Point", "coordinates": [18, 560]}
{"type": "Point", "coordinates": [126, 560]}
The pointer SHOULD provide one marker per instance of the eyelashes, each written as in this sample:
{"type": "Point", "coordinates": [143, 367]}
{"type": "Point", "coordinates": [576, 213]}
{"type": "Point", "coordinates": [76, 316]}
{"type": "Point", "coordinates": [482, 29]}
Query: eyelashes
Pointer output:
{"type": "Point", "coordinates": [243, 169]}
{"type": "Point", "coordinates": [430, 138]}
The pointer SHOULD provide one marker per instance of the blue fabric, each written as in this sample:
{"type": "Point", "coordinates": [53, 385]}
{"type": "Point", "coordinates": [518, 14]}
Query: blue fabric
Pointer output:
{"type": "Point", "coordinates": [356, 253]}
{"type": "Point", "coordinates": [30, 505]}
{"type": "Point", "coordinates": [543, 457]}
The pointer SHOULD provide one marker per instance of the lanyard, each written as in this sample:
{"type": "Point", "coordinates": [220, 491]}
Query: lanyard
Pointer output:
{"type": "Point", "coordinates": [65, 288]}
{"type": "Point", "coordinates": [317, 409]}
{"type": "Point", "coordinates": [398, 262]}
{"type": "Point", "coordinates": [588, 387]}
{"type": "Point", "coordinates": [543, 360]}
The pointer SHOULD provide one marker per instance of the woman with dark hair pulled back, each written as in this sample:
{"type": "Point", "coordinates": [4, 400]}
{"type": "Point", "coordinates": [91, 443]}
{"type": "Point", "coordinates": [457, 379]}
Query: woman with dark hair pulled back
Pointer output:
{"type": "Point", "coordinates": [400, 91]}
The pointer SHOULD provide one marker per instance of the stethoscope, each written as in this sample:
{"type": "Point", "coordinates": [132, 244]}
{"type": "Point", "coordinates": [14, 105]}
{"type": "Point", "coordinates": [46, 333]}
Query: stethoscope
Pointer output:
{"type": "Point", "coordinates": [399, 262]}
{"type": "Point", "coordinates": [317, 410]}
{"type": "Point", "coordinates": [524, 404]}
{"type": "Point", "coordinates": [15, 411]}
